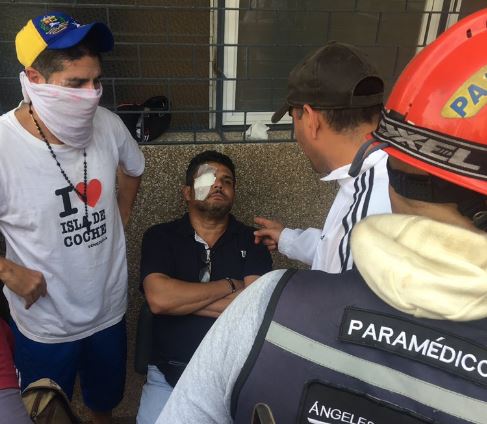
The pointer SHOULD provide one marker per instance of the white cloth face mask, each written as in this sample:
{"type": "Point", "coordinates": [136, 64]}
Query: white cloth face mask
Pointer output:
{"type": "Point", "coordinates": [67, 112]}
{"type": "Point", "coordinates": [204, 179]}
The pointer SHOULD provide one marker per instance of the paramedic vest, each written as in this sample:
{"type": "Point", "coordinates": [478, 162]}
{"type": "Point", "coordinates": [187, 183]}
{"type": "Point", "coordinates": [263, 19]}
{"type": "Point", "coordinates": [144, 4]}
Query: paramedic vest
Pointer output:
{"type": "Point", "coordinates": [330, 351]}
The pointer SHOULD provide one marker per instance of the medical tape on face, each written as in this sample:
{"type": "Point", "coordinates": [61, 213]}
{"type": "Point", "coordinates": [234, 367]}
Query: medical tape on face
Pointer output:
{"type": "Point", "coordinates": [205, 178]}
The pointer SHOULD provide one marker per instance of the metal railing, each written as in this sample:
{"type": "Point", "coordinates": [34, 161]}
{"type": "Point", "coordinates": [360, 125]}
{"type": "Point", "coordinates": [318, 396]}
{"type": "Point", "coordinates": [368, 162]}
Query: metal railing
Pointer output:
{"type": "Point", "coordinates": [180, 49]}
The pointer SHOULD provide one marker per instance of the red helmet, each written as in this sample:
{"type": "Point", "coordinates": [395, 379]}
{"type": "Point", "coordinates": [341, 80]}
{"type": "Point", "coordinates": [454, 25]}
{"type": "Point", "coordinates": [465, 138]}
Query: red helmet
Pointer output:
{"type": "Point", "coordinates": [435, 118]}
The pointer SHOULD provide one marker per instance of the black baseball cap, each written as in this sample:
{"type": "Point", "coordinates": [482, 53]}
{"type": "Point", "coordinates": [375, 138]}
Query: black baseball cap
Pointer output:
{"type": "Point", "coordinates": [330, 78]}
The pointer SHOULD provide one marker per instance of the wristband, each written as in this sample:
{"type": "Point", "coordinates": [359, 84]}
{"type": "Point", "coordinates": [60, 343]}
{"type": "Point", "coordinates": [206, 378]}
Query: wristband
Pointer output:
{"type": "Point", "coordinates": [231, 284]}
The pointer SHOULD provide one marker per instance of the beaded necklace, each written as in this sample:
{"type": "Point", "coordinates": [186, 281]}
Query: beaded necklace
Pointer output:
{"type": "Point", "coordinates": [83, 196]}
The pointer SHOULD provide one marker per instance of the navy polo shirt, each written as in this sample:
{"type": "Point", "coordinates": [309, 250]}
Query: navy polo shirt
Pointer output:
{"type": "Point", "coordinates": [171, 249]}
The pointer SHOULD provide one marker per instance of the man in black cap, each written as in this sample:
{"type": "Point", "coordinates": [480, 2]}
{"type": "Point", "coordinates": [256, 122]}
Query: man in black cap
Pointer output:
{"type": "Point", "coordinates": [334, 97]}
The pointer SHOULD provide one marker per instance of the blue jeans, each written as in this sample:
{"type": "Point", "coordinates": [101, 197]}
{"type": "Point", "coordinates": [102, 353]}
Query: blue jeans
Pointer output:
{"type": "Point", "coordinates": [155, 393]}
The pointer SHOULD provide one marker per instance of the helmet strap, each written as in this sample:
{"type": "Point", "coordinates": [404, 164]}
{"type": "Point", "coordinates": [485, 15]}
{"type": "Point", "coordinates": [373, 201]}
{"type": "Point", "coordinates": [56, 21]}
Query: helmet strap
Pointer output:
{"type": "Point", "coordinates": [442, 151]}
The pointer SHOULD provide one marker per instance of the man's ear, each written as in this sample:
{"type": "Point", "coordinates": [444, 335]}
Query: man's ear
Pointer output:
{"type": "Point", "coordinates": [312, 119]}
{"type": "Point", "coordinates": [34, 76]}
{"type": "Point", "coordinates": [186, 190]}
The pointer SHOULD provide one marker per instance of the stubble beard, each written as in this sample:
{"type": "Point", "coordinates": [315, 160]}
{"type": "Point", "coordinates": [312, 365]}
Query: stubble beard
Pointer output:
{"type": "Point", "coordinates": [214, 211]}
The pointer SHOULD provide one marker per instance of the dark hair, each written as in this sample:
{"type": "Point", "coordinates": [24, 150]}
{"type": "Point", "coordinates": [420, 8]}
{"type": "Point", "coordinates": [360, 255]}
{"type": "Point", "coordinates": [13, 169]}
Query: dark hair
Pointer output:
{"type": "Point", "coordinates": [50, 61]}
{"type": "Point", "coordinates": [349, 119]}
{"type": "Point", "coordinates": [205, 157]}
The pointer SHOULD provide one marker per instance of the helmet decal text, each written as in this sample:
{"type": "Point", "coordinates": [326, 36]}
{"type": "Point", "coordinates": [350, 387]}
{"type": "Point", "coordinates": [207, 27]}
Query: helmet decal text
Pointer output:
{"type": "Point", "coordinates": [469, 99]}
{"type": "Point", "coordinates": [440, 150]}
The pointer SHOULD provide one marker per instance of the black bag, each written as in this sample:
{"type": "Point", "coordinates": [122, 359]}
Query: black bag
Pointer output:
{"type": "Point", "coordinates": [46, 403]}
{"type": "Point", "coordinates": [145, 126]}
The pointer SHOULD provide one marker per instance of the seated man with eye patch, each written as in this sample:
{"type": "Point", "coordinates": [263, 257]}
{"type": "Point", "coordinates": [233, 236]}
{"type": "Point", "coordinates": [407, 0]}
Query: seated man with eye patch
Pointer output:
{"type": "Point", "coordinates": [191, 270]}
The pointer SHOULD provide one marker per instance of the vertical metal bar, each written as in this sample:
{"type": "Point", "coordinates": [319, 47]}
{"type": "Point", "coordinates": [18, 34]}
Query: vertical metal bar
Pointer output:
{"type": "Point", "coordinates": [193, 68]}
{"type": "Point", "coordinates": [114, 95]}
{"type": "Point", "coordinates": [139, 61]}
{"type": "Point", "coordinates": [193, 125]}
{"type": "Point", "coordinates": [247, 64]}
{"type": "Point", "coordinates": [107, 14]}
{"type": "Point", "coordinates": [245, 126]}
{"type": "Point", "coordinates": [142, 127]}
{"type": "Point", "coordinates": [426, 32]}
{"type": "Point", "coordinates": [377, 32]}
{"type": "Point", "coordinates": [220, 59]}
{"type": "Point", "coordinates": [168, 83]}
{"type": "Point", "coordinates": [271, 84]}
{"type": "Point", "coordinates": [193, 59]}
{"type": "Point", "coordinates": [445, 11]}
{"type": "Point", "coordinates": [328, 28]}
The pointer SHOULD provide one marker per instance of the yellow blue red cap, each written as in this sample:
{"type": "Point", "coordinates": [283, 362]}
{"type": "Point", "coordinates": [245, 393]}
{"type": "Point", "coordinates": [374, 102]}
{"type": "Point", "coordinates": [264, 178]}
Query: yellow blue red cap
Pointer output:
{"type": "Point", "coordinates": [57, 30]}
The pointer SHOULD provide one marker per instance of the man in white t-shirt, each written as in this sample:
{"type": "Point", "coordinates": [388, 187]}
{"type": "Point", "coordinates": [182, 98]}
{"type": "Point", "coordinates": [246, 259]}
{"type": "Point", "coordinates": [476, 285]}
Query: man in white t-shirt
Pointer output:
{"type": "Point", "coordinates": [65, 269]}
{"type": "Point", "coordinates": [335, 98]}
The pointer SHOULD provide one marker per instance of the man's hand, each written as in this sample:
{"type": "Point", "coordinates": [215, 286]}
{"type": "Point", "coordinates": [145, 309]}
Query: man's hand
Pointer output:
{"type": "Point", "coordinates": [269, 233]}
{"type": "Point", "coordinates": [25, 282]}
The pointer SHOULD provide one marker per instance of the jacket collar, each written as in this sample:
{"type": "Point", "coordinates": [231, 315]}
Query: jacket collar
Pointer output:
{"type": "Point", "coordinates": [341, 174]}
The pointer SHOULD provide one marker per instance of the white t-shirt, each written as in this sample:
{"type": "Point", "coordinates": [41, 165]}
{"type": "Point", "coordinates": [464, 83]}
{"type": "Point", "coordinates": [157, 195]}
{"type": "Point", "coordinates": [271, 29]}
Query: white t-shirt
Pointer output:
{"type": "Point", "coordinates": [41, 219]}
{"type": "Point", "coordinates": [329, 249]}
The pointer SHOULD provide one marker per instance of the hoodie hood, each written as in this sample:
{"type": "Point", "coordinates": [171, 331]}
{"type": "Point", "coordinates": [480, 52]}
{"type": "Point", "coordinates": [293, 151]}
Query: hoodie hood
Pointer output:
{"type": "Point", "coordinates": [423, 267]}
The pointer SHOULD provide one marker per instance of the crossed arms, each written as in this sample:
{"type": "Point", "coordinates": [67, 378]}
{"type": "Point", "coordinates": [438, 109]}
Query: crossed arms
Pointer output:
{"type": "Point", "coordinates": [170, 296]}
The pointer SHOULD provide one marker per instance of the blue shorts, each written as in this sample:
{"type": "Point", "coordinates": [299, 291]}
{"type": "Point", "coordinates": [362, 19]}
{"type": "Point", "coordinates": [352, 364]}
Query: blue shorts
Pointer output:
{"type": "Point", "coordinates": [100, 360]}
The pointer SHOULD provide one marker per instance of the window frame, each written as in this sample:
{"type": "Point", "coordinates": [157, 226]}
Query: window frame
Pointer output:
{"type": "Point", "coordinates": [430, 28]}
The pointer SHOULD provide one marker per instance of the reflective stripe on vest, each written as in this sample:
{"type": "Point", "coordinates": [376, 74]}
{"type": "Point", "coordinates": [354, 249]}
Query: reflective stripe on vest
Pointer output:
{"type": "Point", "coordinates": [436, 397]}
{"type": "Point", "coordinates": [311, 344]}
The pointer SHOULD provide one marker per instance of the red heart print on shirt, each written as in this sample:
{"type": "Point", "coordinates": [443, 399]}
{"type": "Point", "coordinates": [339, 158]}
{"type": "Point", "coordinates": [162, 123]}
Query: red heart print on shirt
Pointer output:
{"type": "Point", "coordinates": [93, 191]}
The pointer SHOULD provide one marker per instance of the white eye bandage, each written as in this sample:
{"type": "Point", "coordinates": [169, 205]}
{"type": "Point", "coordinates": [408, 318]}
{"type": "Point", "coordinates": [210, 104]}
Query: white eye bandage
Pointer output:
{"type": "Point", "coordinates": [205, 178]}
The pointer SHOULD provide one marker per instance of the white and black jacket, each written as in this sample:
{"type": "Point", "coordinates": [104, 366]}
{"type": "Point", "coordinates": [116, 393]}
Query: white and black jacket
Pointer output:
{"type": "Point", "coordinates": [329, 249]}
